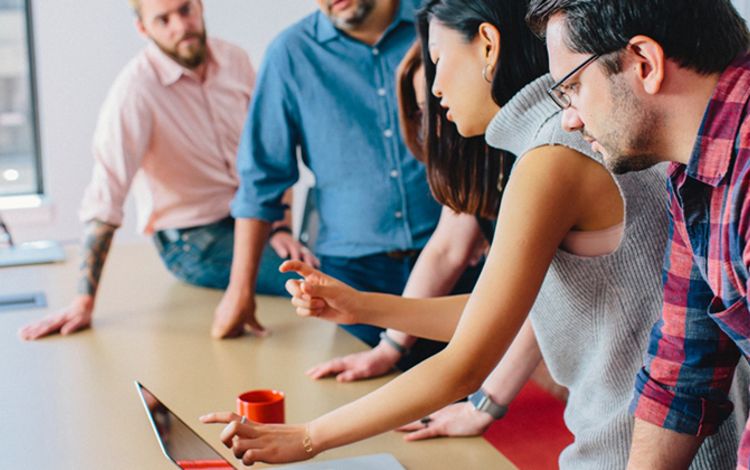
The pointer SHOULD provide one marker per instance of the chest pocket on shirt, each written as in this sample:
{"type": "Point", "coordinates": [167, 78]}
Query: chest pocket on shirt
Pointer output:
{"type": "Point", "coordinates": [734, 321]}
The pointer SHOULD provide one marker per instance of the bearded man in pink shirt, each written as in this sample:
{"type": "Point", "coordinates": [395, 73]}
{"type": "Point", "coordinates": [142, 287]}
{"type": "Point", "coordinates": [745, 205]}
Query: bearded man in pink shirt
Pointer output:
{"type": "Point", "coordinates": [170, 129]}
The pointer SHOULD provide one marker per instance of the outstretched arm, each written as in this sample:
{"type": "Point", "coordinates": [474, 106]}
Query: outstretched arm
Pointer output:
{"type": "Point", "coordinates": [456, 242]}
{"type": "Point", "coordinates": [502, 386]}
{"type": "Point", "coordinates": [77, 316]}
{"type": "Point", "coordinates": [434, 318]}
{"type": "Point", "coordinates": [532, 224]}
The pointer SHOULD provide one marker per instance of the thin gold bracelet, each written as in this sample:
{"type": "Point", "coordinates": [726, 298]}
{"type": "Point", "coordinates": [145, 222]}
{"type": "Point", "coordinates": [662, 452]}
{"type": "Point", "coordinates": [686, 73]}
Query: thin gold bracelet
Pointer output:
{"type": "Point", "coordinates": [307, 441]}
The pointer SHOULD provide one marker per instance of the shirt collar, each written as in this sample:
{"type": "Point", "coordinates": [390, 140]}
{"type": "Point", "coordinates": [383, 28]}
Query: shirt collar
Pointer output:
{"type": "Point", "coordinates": [166, 68]}
{"type": "Point", "coordinates": [326, 31]}
{"type": "Point", "coordinates": [714, 146]}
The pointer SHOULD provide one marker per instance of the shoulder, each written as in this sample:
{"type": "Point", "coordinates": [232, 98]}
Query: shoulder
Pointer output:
{"type": "Point", "coordinates": [132, 84]}
{"type": "Point", "coordinates": [562, 174]}
{"type": "Point", "coordinates": [227, 50]}
{"type": "Point", "coordinates": [294, 37]}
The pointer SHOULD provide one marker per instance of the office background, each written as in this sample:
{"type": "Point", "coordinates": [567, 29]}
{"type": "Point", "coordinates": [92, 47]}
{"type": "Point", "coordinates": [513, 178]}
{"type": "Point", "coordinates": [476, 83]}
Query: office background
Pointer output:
{"type": "Point", "coordinates": [80, 46]}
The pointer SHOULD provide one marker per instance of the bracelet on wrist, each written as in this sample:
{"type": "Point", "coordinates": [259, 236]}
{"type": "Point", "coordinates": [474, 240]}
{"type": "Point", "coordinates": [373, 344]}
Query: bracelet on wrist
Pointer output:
{"type": "Point", "coordinates": [280, 228]}
{"type": "Point", "coordinates": [400, 348]}
{"type": "Point", "coordinates": [307, 441]}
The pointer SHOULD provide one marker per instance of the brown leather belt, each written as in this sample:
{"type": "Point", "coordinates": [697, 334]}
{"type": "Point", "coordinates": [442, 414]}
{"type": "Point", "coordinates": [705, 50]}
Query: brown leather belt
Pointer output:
{"type": "Point", "coordinates": [401, 255]}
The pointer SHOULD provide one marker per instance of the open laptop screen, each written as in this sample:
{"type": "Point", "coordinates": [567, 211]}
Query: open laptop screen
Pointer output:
{"type": "Point", "coordinates": [180, 444]}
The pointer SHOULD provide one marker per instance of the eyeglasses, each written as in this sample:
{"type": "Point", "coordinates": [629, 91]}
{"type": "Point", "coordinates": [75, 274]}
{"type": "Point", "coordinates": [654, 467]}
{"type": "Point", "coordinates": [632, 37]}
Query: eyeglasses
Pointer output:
{"type": "Point", "coordinates": [556, 92]}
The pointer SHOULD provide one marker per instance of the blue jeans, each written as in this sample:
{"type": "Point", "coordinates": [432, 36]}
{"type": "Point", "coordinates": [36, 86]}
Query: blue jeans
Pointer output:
{"type": "Point", "coordinates": [202, 256]}
{"type": "Point", "coordinates": [382, 273]}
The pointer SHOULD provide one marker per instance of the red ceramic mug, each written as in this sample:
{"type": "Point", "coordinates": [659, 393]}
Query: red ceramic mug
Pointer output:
{"type": "Point", "coordinates": [262, 406]}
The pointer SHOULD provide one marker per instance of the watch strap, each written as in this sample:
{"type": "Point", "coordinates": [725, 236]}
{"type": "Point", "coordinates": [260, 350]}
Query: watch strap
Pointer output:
{"type": "Point", "coordinates": [482, 402]}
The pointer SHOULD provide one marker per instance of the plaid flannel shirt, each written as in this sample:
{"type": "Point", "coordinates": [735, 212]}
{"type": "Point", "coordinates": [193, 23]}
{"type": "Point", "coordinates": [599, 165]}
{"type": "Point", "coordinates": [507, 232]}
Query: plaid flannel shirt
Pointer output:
{"type": "Point", "coordinates": [705, 323]}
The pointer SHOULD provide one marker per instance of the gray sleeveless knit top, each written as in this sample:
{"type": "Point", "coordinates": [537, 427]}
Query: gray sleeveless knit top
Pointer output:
{"type": "Point", "coordinates": [593, 315]}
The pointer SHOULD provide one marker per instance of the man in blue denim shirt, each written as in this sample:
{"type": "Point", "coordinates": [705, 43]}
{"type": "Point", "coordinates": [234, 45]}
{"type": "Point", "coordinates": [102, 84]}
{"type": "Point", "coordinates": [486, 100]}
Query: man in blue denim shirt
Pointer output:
{"type": "Point", "coordinates": [327, 87]}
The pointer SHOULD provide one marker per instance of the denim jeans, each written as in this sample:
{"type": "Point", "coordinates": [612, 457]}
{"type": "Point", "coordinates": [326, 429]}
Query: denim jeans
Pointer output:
{"type": "Point", "coordinates": [202, 256]}
{"type": "Point", "coordinates": [382, 273]}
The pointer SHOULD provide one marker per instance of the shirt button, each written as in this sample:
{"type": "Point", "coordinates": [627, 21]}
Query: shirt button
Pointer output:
{"type": "Point", "coordinates": [394, 173]}
{"type": "Point", "coordinates": [375, 51]}
{"type": "Point", "coordinates": [399, 214]}
{"type": "Point", "coordinates": [381, 91]}
{"type": "Point", "coordinates": [388, 133]}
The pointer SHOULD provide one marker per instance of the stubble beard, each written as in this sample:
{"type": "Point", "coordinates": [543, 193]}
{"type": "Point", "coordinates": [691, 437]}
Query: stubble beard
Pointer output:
{"type": "Point", "coordinates": [195, 58]}
{"type": "Point", "coordinates": [363, 10]}
{"type": "Point", "coordinates": [632, 132]}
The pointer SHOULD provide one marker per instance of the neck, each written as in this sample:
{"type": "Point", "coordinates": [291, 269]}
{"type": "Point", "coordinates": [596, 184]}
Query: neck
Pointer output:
{"type": "Point", "coordinates": [376, 23]}
{"type": "Point", "coordinates": [686, 98]}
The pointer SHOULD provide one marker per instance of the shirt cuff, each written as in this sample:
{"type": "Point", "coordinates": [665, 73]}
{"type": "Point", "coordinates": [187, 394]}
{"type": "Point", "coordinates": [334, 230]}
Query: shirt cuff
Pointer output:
{"type": "Point", "coordinates": [243, 210]}
{"type": "Point", "coordinates": [682, 412]}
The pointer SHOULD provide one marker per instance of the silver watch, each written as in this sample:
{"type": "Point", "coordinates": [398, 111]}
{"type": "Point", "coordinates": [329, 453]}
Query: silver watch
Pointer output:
{"type": "Point", "coordinates": [482, 402]}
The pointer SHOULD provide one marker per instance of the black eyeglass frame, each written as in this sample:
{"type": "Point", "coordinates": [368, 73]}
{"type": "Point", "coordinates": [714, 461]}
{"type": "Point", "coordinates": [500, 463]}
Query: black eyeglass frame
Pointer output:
{"type": "Point", "coordinates": [556, 94]}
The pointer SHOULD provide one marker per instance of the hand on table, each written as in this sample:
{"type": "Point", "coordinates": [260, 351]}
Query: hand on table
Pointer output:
{"type": "Point", "coordinates": [286, 246]}
{"type": "Point", "coordinates": [362, 365]}
{"type": "Point", "coordinates": [320, 295]}
{"type": "Point", "coordinates": [253, 442]}
{"type": "Point", "coordinates": [76, 317]}
{"type": "Point", "coordinates": [236, 311]}
{"type": "Point", "coordinates": [458, 419]}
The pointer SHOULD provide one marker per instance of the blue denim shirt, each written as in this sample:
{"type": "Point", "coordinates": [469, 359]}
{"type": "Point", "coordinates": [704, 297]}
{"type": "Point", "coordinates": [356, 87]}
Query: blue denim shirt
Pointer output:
{"type": "Point", "coordinates": [334, 98]}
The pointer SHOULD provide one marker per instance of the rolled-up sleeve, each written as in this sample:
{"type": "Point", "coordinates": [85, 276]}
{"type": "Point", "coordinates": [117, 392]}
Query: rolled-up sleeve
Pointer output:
{"type": "Point", "coordinates": [266, 157]}
{"type": "Point", "coordinates": [690, 361]}
{"type": "Point", "coordinates": [120, 142]}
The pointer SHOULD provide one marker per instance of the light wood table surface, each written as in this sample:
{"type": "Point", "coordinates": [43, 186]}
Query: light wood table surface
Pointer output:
{"type": "Point", "coordinates": [70, 403]}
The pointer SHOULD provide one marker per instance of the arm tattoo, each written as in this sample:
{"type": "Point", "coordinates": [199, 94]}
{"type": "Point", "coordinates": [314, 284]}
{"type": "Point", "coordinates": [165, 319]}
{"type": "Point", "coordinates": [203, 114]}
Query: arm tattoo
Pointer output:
{"type": "Point", "coordinates": [96, 243]}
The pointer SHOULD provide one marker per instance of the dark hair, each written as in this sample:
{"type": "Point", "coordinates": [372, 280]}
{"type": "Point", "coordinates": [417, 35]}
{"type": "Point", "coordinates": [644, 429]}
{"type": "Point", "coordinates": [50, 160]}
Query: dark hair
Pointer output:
{"type": "Point", "coordinates": [410, 115]}
{"type": "Point", "coordinates": [700, 35]}
{"type": "Point", "coordinates": [466, 174]}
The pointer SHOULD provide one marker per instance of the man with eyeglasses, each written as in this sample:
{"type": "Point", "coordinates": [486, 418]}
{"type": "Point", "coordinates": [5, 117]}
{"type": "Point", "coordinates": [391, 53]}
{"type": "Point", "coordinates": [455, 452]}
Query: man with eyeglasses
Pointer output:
{"type": "Point", "coordinates": [170, 128]}
{"type": "Point", "coordinates": [672, 84]}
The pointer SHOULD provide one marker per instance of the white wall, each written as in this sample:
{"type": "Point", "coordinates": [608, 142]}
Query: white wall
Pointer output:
{"type": "Point", "coordinates": [743, 6]}
{"type": "Point", "coordinates": [81, 45]}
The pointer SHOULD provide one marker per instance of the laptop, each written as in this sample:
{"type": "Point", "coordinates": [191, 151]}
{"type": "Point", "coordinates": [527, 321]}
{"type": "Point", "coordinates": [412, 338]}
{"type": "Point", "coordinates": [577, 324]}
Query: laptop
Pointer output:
{"type": "Point", "coordinates": [188, 451]}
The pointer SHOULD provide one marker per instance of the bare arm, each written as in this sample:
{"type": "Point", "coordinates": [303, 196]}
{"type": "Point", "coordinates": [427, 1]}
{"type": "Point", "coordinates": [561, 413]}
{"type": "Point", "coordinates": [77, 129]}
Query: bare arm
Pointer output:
{"type": "Point", "coordinates": [456, 240]}
{"type": "Point", "coordinates": [97, 241]}
{"type": "Point", "coordinates": [656, 448]}
{"type": "Point", "coordinates": [446, 256]}
{"type": "Point", "coordinates": [532, 223]}
{"type": "Point", "coordinates": [237, 306]}
{"type": "Point", "coordinates": [502, 386]}
{"type": "Point", "coordinates": [96, 244]}
{"type": "Point", "coordinates": [515, 368]}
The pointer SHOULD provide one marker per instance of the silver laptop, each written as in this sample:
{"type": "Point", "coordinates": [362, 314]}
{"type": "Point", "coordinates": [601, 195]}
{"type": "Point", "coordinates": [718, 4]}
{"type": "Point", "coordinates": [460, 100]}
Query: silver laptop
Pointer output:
{"type": "Point", "coordinates": [187, 450]}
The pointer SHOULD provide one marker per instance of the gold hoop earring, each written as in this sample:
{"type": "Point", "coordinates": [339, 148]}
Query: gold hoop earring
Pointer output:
{"type": "Point", "coordinates": [484, 73]}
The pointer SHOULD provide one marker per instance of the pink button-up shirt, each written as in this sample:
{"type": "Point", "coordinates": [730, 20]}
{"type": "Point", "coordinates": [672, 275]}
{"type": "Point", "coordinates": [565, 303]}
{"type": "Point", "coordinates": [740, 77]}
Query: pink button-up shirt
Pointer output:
{"type": "Point", "coordinates": [171, 137]}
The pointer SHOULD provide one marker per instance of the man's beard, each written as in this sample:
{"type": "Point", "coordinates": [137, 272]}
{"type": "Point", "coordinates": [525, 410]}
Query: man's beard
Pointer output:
{"type": "Point", "coordinates": [363, 10]}
{"type": "Point", "coordinates": [632, 132]}
{"type": "Point", "coordinates": [194, 58]}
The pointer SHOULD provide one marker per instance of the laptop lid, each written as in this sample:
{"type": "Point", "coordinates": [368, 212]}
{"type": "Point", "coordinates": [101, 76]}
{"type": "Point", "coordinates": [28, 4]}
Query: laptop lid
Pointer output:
{"type": "Point", "coordinates": [187, 450]}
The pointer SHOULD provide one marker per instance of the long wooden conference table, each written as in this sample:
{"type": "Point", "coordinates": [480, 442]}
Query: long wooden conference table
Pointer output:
{"type": "Point", "coordinates": [70, 403]}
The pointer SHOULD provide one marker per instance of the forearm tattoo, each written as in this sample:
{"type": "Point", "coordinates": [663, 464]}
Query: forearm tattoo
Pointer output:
{"type": "Point", "coordinates": [96, 243]}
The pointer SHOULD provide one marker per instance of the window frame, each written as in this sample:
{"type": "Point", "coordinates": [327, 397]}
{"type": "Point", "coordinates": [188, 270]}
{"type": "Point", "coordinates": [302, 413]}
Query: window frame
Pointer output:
{"type": "Point", "coordinates": [32, 89]}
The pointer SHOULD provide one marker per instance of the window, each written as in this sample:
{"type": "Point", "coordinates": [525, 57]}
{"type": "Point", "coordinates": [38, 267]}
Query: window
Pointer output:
{"type": "Point", "coordinates": [19, 139]}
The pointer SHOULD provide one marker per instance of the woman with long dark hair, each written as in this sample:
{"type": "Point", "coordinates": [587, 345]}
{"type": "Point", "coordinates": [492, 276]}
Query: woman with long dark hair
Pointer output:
{"type": "Point", "coordinates": [573, 271]}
